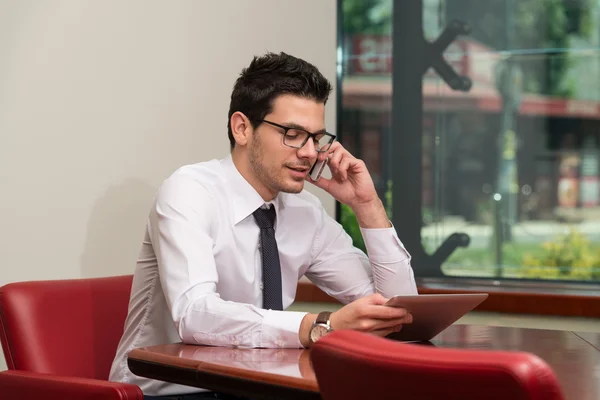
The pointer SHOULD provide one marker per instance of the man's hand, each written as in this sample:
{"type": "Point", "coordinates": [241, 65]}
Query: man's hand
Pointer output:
{"type": "Point", "coordinates": [370, 315]}
{"type": "Point", "coordinates": [351, 184]}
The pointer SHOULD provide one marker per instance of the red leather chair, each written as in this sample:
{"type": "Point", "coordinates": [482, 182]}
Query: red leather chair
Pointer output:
{"type": "Point", "coordinates": [59, 338]}
{"type": "Point", "coordinates": [353, 365]}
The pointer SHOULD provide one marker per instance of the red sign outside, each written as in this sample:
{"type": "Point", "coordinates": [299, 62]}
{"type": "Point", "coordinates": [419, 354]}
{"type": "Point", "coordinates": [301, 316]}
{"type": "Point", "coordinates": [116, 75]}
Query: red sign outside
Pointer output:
{"type": "Point", "coordinates": [372, 55]}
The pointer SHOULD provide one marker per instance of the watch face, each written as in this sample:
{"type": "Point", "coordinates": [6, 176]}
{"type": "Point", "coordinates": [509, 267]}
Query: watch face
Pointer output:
{"type": "Point", "coordinates": [318, 331]}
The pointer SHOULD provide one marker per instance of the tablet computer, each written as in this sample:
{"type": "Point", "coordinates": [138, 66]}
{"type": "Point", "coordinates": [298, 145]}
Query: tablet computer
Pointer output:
{"type": "Point", "coordinates": [432, 313]}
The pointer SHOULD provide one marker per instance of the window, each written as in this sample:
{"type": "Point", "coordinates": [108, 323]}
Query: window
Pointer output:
{"type": "Point", "coordinates": [488, 164]}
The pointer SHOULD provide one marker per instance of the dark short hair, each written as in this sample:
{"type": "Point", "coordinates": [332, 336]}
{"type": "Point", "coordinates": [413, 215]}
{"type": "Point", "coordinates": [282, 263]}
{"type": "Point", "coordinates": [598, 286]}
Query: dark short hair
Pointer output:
{"type": "Point", "coordinates": [269, 76]}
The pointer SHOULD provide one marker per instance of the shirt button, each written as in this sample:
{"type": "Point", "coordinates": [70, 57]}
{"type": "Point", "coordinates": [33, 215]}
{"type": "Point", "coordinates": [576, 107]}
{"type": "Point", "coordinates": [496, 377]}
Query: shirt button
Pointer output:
{"type": "Point", "coordinates": [280, 343]}
{"type": "Point", "coordinates": [236, 342]}
{"type": "Point", "coordinates": [261, 286]}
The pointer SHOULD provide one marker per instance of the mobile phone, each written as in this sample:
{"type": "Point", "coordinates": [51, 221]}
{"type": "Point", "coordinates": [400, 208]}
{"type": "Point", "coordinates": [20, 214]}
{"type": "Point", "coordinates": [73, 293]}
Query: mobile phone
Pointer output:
{"type": "Point", "coordinates": [317, 169]}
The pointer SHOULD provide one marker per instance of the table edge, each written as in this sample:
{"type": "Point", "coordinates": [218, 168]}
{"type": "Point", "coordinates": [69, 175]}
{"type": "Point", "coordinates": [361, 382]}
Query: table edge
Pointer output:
{"type": "Point", "coordinates": [140, 355]}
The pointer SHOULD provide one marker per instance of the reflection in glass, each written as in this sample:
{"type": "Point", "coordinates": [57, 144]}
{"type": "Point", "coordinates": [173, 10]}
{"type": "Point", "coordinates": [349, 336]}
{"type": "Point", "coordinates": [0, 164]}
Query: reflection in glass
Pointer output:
{"type": "Point", "coordinates": [515, 162]}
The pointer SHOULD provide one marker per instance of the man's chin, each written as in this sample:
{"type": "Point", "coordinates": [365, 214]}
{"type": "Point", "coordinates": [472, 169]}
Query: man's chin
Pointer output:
{"type": "Point", "coordinates": [295, 187]}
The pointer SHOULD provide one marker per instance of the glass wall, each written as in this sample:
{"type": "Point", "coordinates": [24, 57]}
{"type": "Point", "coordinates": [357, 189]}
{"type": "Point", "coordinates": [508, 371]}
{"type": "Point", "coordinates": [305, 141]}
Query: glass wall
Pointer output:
{"type": "Point", "coordinates": [500, 176]}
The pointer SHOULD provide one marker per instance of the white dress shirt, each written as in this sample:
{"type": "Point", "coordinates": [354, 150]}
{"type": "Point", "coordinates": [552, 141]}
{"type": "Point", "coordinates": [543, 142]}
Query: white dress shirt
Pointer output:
{"type": "Point", "coordinates": [198, 275]}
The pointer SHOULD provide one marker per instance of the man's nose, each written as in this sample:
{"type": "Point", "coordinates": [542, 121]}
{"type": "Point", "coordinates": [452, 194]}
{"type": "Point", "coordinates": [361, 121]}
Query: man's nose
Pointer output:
{"type": "Point", "coordinates": [309, 150]}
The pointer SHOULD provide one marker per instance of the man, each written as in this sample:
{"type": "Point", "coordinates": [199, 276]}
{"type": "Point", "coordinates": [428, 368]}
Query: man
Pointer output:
{"type": "Point", "coordinates": [227, 240]}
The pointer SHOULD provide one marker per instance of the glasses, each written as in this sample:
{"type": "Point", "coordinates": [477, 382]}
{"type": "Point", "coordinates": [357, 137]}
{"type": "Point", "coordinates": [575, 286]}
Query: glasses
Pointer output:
{"type": "Point", "coordinates": [297, 137]}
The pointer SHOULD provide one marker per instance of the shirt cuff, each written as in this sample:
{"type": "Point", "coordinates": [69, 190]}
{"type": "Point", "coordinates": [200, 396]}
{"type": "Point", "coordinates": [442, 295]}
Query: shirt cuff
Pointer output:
{"type": "Point", "coordinates": [384, 246]}
{"type": "Point", "coordinates": [281, 328]}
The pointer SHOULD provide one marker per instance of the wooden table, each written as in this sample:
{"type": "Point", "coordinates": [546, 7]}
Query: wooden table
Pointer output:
{"type": "Point", "coordinates": [287, 373]}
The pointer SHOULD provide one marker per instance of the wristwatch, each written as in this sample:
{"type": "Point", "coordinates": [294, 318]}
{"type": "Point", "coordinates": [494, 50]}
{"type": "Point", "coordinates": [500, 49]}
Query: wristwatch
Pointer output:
{"type": "Point", "coordinates": [321, 327]}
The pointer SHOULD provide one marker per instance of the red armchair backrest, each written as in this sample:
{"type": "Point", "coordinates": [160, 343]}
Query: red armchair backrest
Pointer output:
{"type": "Point", "coordinates": [353, 365]}
{"type": "Point", "coordinates": [64, 327]}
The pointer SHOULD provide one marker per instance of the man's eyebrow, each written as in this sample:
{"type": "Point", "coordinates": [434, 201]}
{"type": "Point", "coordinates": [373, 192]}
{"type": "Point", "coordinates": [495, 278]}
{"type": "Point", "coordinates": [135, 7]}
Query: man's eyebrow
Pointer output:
{"type": "Point", "coordinates": [298, 126]}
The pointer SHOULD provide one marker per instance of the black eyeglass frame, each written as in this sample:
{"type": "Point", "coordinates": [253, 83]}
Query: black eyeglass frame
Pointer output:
{"type": "Point", "coordinates": [308, 136]}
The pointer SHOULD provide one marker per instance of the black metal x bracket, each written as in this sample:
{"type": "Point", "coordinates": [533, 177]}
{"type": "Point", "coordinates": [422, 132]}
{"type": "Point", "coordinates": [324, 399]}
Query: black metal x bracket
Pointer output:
{"type": "Point", "coordinates": [434, 56]}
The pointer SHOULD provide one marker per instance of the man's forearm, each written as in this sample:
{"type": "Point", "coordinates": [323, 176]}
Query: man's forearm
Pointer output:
{"type": "Point", "coordinates": [372, 215]}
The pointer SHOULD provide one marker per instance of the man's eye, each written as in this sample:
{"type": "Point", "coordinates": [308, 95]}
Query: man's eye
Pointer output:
{"type": "Point", "coordinates": [293, 134]}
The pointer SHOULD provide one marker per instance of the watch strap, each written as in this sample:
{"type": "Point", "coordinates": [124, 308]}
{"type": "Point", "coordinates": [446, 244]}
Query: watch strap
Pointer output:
{"type": "Point", "coordinates": [323, 318]}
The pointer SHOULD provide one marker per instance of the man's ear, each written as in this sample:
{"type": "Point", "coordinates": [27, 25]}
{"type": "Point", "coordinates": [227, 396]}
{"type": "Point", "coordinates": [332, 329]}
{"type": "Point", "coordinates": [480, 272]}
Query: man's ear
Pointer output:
{"type": "Point", "coordinates": [241, 128]}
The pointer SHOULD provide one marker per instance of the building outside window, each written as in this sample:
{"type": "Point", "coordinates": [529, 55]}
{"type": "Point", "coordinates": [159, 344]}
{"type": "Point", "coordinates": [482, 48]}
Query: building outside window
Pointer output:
{"type": "Point", "coordinates": [498, 181]}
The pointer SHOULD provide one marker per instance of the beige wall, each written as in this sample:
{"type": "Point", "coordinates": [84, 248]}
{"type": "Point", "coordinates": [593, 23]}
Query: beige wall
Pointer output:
{"type": "Point", "coordinates": [101, 100]}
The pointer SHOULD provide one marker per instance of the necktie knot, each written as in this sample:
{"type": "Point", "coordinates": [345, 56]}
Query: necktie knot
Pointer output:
{"type": "Point", "coordinates": [265, 217]}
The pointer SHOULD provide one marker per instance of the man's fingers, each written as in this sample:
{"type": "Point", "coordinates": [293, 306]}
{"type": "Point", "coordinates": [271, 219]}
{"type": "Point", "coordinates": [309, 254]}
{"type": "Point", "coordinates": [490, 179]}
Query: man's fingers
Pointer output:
{"type": "Point", "coordinates": [375, 308]}
{"type": "Point", "coordinates": [383, 312]}
{"type": "Point", "coordinates": [322, 182]}
{"type": "Point", "coordinates": [371, 325]}
{"type": "Point", "coordinates": [334, 146]}
{"type": "Point", "coordinates": [387, 331]}
{"type": "Point", "coordinates": [334, 160]}
{"type": "Point", "coordinates": [343, 168]}
{"type": "Point", "coordinates": [390, 324]}
{"type": "Point", "coordinates": [337, 153]}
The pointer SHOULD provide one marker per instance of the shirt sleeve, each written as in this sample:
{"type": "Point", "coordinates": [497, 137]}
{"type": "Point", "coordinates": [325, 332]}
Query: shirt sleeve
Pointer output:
{"type": "Point", "coordinates": [345, 272]}
{"type": "Point", "coordinates": [181, 228]}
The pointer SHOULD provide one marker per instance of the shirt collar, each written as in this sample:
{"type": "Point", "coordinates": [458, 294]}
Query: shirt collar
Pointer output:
{"type": "Point", "coordinates": [245, 198]}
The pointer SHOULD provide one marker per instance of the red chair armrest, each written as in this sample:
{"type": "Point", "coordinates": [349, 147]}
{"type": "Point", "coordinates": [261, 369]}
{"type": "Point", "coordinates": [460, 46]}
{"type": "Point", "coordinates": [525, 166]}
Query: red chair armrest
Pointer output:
{"type": "Point", "coordinates": [18, 385]}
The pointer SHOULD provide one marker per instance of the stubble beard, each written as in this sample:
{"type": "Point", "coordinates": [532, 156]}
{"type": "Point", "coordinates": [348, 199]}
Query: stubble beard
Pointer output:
{"type": "Point", "coordinates": [270, 177]}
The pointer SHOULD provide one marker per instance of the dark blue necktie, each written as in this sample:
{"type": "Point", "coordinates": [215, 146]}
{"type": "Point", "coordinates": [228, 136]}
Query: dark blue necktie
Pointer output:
{"type": "Point", "coordinates": [271, 269]}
